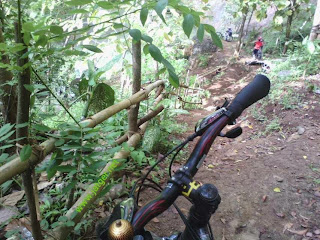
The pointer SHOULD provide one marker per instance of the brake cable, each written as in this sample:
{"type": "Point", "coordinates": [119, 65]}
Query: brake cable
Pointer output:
{"type": "Point", "coordinates": [180, 146]}
{"type": "Point", "coordinates": [194, 235]}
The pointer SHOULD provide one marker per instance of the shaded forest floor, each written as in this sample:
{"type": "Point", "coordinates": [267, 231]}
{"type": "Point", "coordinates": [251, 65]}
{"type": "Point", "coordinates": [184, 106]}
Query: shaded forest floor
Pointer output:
{"type": "Point", "coordinates": [266, 182]}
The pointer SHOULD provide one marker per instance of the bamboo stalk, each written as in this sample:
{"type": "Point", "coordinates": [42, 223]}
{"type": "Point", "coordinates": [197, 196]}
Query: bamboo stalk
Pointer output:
{"type": "Point", "coordinates": [141, 121]}
{"type": "Point", "coordinates": [63, 231]}
{"type": "Point", "coordinates": [110, 111]}
{"type": "Point", "coordinates": [159, 97]}
{"type": "Point", "coordinates": [150, 115]}
{"type": "Point", "coordinates": [16, 166]}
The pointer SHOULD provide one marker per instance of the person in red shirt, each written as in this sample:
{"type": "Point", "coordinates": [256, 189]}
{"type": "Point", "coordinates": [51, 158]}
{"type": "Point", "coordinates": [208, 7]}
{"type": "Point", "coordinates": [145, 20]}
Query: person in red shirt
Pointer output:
{"type": "Point", "coordinates": [257, 51]}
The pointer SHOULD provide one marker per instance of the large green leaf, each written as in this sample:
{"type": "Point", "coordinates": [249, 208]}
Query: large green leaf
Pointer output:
{"type": "Point", "coordinates": [138, 156]}
{"type": "Point", "coordinates": [209, 28]}
{"type": "Point", "coordinates": [66, 168]}
{"type": "Point", "coordinates": [161, 71]}
{"type": "Point", "coordinates": [25, 153]}
{"type": "Point", "coordinates": [78, 2]}
{"type": "Point", "coordinates": [42, 41]}
{"type": "Point", "coordinates": [144, 15]}
{"type": "Point", "coordinates": [41, 128]}
{"type": "Point", "coordinates": [160, 6]}
{"type": "Point", "coordinates": [155, 53]}
{"type": "Point", "coordinates": [173, 79]}
{"type": "Point", "coordinates": [29, 87]}
{"type": "Point", "coordinates": [5, 137]}
{"type": "Point", "coordinates": [102, 97]}
{"type": "Point", "coordinates": [5, 129]}
{"type": "Point", "coordinates": [216, 40]}
{"type": "Point", "coordinates": [168, 65]}
{"type": "Point", "coordinates": [56, 160]}
{"type": "Point", "coordinates": [92, 48]}
{"type": "Point", "coordinates": [105, 5]}
{"type": "Point", "coordinates": [200, 32]}
{"type": "Point", "coordinates": [56, 30]}
{"type": "Point", "coordinates": [188, 24]}
{"type": "Point", "coordinates": [146, 49]}
{"type": "Point", "coordinates": [26, 38]}
{"type": "Point", "coordinates": [135, 34]}
{"type": "Point", "coordinates": [28, 27]}
{"type": "Point", "coordinates": [6, 146]}
{"type": "Point", "coordinates": [146, 38]}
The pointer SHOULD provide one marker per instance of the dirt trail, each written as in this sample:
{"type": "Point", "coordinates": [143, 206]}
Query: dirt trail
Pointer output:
{"type": "Point", "coordinates": [250, 171]}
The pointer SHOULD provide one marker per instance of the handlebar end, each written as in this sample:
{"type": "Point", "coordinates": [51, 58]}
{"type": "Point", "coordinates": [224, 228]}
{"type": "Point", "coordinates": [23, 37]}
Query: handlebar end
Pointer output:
{"type": "Point", "coordinates": [253, 92]}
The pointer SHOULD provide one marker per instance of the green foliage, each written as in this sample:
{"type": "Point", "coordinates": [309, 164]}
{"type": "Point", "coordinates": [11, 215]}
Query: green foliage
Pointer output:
{"type": "Point", "coordinates": [25, 153]}
{"type": "Point", "coordinates": [151, 139]}
{"type": "Point", "coordinates": [273, 125]}
{"type": "Point", "coordinates": [102, 97]}
{"type": "Point", "coordinates": [188, 24]}
{"type": "Point", "coordinates": [64, 43]}
{"type": "Point", "coordinates": [204, 60]}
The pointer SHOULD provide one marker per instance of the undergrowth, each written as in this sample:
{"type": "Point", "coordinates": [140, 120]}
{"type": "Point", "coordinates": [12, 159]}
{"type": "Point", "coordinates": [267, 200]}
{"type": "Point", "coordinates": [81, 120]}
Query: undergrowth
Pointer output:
{"type": "Point", "coordinates": [289, 82]}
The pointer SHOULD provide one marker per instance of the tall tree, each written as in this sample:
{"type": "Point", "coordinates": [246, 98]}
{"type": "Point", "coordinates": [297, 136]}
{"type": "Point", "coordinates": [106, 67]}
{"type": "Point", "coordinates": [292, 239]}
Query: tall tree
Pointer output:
{"type": "Point", "coordinates": [136, 85]}
{"type": "Point", "coordinates": [8, 96]}
{"type": "Point", "coordinates": [315, 30]}
{"type": "Point", "coordinates": [22, 133]}
{"type": "Point", "coordinates": [293, 7]}
{"type": "Point", "coordinates": [244, 18]}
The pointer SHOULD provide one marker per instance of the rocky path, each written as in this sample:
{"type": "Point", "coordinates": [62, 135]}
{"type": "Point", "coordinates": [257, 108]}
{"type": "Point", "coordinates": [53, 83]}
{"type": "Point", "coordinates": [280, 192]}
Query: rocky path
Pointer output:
{"type": "Point", "coordinates": [267, 183]}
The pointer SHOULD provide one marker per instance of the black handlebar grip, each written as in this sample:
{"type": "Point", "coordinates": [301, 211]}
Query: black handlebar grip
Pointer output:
{"type": "Point", "coordinates": [253, 92]}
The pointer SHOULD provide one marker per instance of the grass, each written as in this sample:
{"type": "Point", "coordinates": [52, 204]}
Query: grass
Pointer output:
{"type": "Point", "coordinates": [204, 60]}
{"type": "Point", "coordinates": [316, 170]}
{"type": "Point", "coordinates": [273, 126]}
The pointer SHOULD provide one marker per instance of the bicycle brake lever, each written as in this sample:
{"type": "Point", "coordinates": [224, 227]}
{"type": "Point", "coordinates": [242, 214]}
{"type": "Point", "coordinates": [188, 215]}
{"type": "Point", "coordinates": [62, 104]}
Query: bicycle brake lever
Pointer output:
{"type": "Point", "coordinates": [233, 133]}
{"type": "Point", "coordinates": [225, 104]}
{"type": "Point", "coordinates": [205, 122]}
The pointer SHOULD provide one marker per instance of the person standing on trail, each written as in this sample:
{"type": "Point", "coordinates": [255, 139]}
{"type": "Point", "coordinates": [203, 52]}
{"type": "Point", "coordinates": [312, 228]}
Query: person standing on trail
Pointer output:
{"type": "Point", "coordinates": [228, 35]}
{"type": "Point", "coordinates": [257, 51]}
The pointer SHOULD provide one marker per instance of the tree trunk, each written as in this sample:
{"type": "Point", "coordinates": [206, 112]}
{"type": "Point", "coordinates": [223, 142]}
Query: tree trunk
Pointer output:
{"type": "Point", "coordinates": [251, 14]}
{"type": "Point", "coordinates": [136, 85]}
{"type": "Point", "coordinates": [315, 30]}
{"type": "Point", "coordinates": [23, 117]}
{"type": "Point", "coordinates": [9, 95]}
{"type": "Point", "coordinates": [288, 29]}
{"type": "Point", "coordinates": [244, 18]}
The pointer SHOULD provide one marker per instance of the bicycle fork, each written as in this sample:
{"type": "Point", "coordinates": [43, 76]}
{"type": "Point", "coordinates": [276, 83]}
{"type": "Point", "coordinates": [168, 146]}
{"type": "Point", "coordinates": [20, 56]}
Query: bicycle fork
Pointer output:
{"type": "Point", "coordinates": [206, 200]}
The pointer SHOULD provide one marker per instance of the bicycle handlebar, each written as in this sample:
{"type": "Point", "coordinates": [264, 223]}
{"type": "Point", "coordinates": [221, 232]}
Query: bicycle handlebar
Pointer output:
{"type": "Point", "coordinates": [253, 92]}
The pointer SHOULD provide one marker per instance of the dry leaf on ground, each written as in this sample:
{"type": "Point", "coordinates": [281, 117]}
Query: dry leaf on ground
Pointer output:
{"type": "Point", "coordinates": [12, 199]}
{"type": "Point", "coordinates": [277, 190]}
{"type": "Point", "coordinates": [287, 226]}
{"type": "Point", "coordinates": [16, 223]}
{"type": "Point", "coordinates": [43, 185]}
{"type": "Point", "coordinates": [300, 232]}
